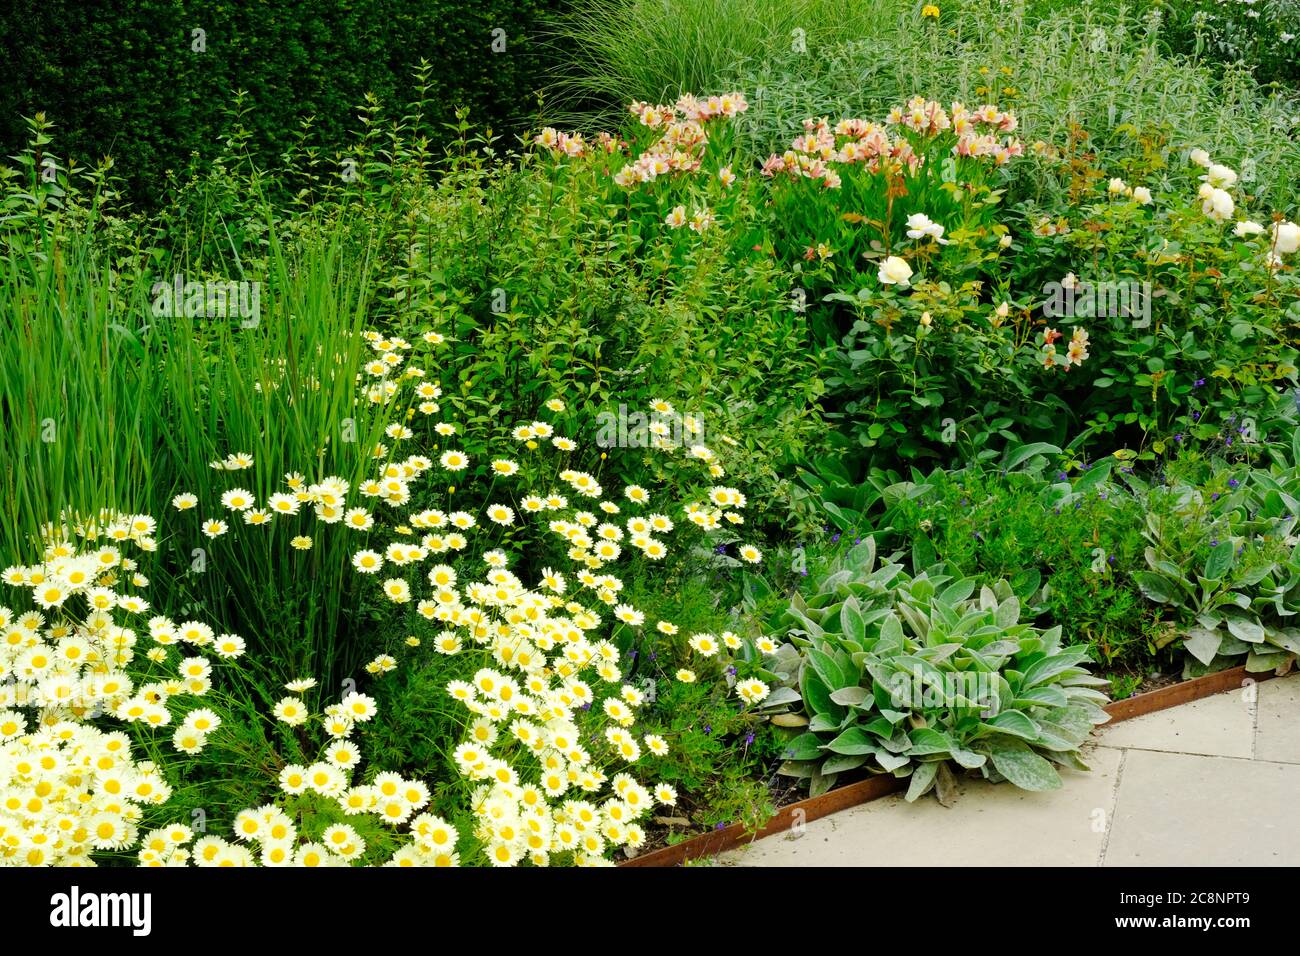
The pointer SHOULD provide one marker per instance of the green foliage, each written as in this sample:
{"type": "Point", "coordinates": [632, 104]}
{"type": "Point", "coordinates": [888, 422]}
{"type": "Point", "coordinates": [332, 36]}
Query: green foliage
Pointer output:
{"type": "Point", "coordinates": [1185, 318]}
{"type": "Point", "coordinates": [1192, 558]}
{"type": "Point", "coordinates": [135, 81]}
{"type": "Point", "coordinates": [1263, 34]}
{"type": "Point", "coordinates": [717, 757]}
{"type": "Point", "coordinates": [1221, 554]}
{"type": "Point", "coordinates": [557, 281]}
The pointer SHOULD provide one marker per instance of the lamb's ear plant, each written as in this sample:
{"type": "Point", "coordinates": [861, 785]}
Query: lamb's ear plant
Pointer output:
{"type": "Point", "coordinates": [910, 675]}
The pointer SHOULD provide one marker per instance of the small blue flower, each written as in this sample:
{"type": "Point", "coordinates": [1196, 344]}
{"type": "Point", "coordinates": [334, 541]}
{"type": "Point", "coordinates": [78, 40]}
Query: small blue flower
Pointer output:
{"type": "Point", "coordinates": [1198, 383]}
{"type": "Point", "coordinates": [1233, 482]}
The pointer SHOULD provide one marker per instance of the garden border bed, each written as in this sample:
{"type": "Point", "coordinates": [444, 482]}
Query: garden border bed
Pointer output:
{"type": "Point", "coordinates": [873, 788]}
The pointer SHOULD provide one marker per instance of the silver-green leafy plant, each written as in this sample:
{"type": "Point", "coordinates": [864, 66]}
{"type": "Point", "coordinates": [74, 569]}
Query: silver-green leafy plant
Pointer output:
{"type": "Point", "coordinates": [909, 674]}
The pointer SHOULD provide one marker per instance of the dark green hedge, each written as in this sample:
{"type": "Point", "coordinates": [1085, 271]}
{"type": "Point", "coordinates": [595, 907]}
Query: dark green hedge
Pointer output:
{"type": "Point", "coordinates": [120, 77]}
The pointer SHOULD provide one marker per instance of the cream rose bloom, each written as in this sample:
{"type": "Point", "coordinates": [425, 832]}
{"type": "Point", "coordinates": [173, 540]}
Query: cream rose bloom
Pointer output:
{"type": "Point", "coordinates": [894, 271]}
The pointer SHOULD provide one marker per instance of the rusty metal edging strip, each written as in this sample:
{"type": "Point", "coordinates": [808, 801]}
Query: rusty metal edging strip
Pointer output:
{"type": "Point", "coordinates": [1183, 692]}
{"type": "Point", "coordinates": [873, 788]}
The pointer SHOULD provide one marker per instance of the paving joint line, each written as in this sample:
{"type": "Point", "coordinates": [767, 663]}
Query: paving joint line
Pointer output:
{"type": "Point", "coordinates": [1254, 723]}
{"type": "Point", "coordinates": [1185, 753]}
{"type": "Point", "coordinates": [1114, 808]}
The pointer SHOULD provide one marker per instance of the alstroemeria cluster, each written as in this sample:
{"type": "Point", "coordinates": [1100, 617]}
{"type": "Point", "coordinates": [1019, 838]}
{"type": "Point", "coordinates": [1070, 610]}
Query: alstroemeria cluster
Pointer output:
{"type": "Point", "coordinates": [680, 147]}
{"type": "Point", "coordinates": [822, 149]}
{"type": "Point", "coordinates": [574, 144]}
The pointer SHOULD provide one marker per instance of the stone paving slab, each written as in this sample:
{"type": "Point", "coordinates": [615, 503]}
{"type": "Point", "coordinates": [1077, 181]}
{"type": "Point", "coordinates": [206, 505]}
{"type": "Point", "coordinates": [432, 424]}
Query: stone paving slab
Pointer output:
{"type": "Point", "coordinates": [989, 825]}
{"type": "Point", "coordinates": [1219, 726]}
{"type": "Point", "coordinates": [1277, 726]}
{"type": "Point", "coordinates": [1192, 810]}
{"type": "Point", "coordinates": [1212, 782]}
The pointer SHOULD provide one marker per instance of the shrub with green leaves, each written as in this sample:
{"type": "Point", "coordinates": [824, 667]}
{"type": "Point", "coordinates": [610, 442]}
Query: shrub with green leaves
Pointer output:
{"type": "Point", "coordinates": [902, 674]}
{"type": "Point", "coordinates": [1221, 556]}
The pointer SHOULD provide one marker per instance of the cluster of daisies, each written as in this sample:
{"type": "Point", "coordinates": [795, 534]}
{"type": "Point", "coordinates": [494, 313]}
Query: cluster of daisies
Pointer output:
{"type": "Point", "coordinates": [551, 719]}
{"type": "Point", "coordinates": [67, 787]}
{"type": "Point", "coordinates": [269, 836]}
{"type": "Point", "coordinates": [538, 777]}
{"type": "Point", "coordinates": [822, 151]}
